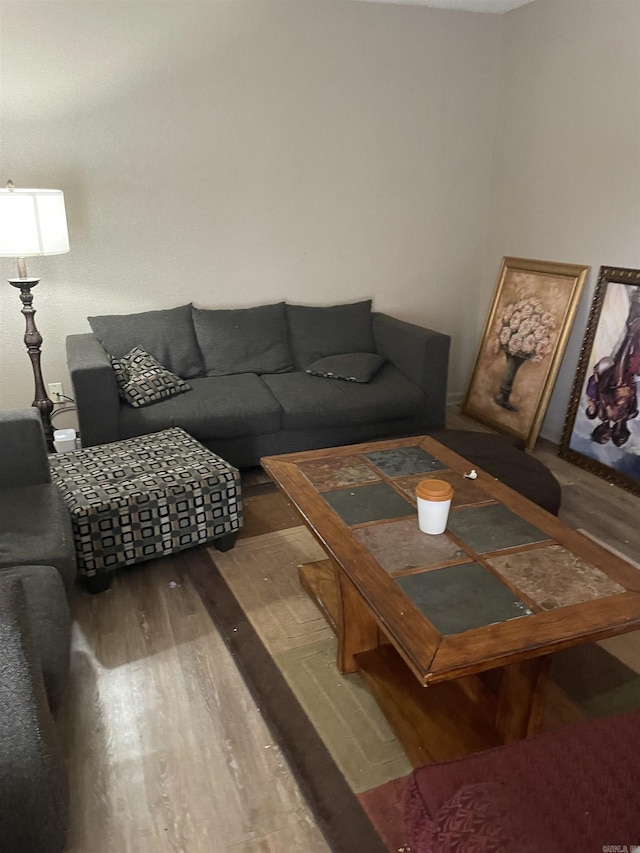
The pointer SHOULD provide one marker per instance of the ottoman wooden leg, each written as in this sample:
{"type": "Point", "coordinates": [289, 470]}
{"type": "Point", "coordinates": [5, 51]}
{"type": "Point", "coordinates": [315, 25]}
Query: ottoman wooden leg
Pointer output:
{"type": "Point", "coordinates": [98, 583]}
{"type": "Point", "coordinates": [226, 542]}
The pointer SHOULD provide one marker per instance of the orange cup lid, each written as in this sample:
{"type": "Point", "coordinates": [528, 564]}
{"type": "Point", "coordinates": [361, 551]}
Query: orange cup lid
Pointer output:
{"type": "Point", "coordinates": [434, 490]}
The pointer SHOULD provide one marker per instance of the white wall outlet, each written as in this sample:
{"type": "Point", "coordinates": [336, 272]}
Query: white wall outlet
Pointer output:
{"type": "Point", "coordinates": [55, 392]}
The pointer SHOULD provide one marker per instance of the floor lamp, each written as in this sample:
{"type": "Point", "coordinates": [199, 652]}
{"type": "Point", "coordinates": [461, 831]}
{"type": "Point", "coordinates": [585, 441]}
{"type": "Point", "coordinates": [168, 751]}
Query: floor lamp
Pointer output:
{"type": "Point", "coordinates": [32, 223]}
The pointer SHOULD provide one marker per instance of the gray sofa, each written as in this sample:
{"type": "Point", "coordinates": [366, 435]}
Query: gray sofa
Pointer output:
{"type": "Point", "coordinates": [248, 370]}
{"type": "Point", "coordinates": [37, 568]}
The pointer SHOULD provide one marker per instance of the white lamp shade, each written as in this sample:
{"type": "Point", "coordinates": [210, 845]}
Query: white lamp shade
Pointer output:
{"type": "Point", "coordinates": [32, 222]}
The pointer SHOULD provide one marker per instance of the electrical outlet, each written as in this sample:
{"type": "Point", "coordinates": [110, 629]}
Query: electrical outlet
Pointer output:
{"type": "Point", "coordinates": [55, 392]}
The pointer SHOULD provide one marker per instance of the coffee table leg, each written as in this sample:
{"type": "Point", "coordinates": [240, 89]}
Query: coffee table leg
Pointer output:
{"type": "Point", "coordinates": [357, 630]}
{"type": "Point", "coordinates": [521, 698]}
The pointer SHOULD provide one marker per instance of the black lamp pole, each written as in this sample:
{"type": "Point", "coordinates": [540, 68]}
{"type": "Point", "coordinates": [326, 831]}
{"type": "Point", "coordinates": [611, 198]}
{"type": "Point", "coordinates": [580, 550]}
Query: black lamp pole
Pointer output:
{"type": "Point", "coordinates": [33, 342]}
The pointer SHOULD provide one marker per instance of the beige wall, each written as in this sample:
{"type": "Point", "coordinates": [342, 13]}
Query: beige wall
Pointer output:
{"type": "Point", "coordinates": [233, 153]}
{"type": "Point", "coordinates": [566, 181]}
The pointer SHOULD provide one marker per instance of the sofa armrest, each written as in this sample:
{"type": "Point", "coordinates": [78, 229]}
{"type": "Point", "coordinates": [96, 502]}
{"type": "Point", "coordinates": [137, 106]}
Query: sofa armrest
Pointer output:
{"type": "Point", "coordinates": [422, 355]}
{"type": "Point", "coordinates": [23, 450]}
{"type": "Point", "coordinates": [33, 781]}
{"type": "Point", "coordinates": [95, 389]}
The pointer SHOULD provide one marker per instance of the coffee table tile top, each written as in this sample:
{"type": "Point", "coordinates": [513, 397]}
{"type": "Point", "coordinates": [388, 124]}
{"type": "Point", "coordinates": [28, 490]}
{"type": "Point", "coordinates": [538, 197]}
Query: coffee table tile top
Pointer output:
{"type": "Point", "coordinates": [336, 473]}
{"type": "Point", "coordinates": [465, 492]}
{"type": "Point", "coordinates": [459, 598]}
{"type": "Point", "coordinates": [492, 528]}
{"type": "Point", "coordinates": [368, 503]}
{"type": "Point", "coordinates": [499, 605]}
{"type": "Point", "coordinates": [401, 461]}
{"type": "Point", "coordinates": [400, 545]}
{"type": "Point", "coordinates": [554, 577]}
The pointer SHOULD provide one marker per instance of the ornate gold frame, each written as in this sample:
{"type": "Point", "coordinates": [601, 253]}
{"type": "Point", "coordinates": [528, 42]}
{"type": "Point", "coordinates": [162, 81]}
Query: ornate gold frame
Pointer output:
{"type": "Point", "coordinates": [608, 276]}
{"type": "Point", "coordinates": [557, 288]}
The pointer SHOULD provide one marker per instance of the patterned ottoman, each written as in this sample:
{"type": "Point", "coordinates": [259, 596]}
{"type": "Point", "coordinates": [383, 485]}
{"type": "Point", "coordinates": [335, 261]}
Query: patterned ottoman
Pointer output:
{"type": "Point", "coordinates": [146, 497]}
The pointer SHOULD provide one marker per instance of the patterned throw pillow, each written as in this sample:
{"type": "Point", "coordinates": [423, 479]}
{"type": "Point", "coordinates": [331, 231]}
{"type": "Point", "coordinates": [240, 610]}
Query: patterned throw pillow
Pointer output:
{"type": "Point", "coordinates": [352, 367]}
{"type": "Point", "coordinates": [143, 381]}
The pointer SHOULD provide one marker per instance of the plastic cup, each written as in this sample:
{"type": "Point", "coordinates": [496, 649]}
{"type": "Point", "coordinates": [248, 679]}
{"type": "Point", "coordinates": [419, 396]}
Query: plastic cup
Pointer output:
{"type": "Point", "coordinates": [64, 440]}
{"type": "Point", "coordinates": [434, 501]}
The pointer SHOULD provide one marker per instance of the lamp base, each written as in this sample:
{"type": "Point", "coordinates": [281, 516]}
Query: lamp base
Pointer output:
{"type": "Point", "coordinates": [33, 342]}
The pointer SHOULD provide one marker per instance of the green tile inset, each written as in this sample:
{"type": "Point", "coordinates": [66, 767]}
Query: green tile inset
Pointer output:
{"type": "Point", "coordinates": [493, 528]}
{"type": "Point", "coordinates": [403, 461]}
{"type": "Point", "coordinates": [459, 598]}
{"type": "Point", "coordinates": [368, 503]}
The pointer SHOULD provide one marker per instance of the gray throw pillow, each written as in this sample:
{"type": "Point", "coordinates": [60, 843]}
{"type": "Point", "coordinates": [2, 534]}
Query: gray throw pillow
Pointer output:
{"type": "Point", "coordinates": [142, 381]}
{"type": "Point", "coordinates": [317, 331]}
{"type": "Point", "coordinates": [352, 367]}
{"type": "Point", "coordinates": [243, 340]}
{"type": "Point", "coordinates": [167, 335]}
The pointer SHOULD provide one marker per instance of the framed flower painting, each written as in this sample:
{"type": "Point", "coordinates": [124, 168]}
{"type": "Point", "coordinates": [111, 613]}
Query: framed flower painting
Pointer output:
{"type": "Point", "coordinates": [524, 339]}
{"type": "Point", "coordinates": [602, 428]}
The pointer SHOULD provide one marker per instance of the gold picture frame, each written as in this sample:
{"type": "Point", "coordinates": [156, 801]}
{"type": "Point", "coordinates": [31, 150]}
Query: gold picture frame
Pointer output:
{"type": "Point", "coordinates": [524, 339]}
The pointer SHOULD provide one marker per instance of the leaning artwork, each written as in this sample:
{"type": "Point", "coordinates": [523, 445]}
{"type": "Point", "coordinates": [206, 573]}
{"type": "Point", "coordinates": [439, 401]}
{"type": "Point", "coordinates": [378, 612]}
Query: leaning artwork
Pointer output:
{"type": "Point", "coordinates": [602, 428]}
{"type": "Point", "coordinates": [523, 343]}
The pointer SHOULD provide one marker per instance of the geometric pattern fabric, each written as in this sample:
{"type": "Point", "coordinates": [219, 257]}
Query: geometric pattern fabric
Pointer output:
{"type": "Point", "coordinates": [145, 497]}
{"type": "Point", "coordinates": [143, 381]}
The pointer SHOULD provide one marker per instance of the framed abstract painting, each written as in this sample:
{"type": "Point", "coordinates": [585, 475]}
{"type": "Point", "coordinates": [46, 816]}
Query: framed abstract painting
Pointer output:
{"type": "Point", "coordinates": [524, 339]}
{"type": "Point", "coordinates": [602, 428]}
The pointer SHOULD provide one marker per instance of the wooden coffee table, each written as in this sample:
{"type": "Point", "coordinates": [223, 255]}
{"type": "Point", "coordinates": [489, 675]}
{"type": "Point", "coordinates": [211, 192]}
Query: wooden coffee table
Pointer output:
{"type": "Point", "coordinates": [454, 633]}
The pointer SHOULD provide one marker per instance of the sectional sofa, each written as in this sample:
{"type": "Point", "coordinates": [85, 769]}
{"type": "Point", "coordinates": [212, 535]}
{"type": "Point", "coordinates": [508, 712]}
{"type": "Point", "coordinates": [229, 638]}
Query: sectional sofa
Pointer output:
{"type": "Point", "coordinates": [255, 381]}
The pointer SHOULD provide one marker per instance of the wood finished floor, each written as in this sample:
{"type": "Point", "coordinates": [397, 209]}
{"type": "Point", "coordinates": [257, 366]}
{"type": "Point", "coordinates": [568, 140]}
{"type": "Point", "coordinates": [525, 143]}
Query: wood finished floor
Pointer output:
{"type": "Point", "coordinates": [167, 749]}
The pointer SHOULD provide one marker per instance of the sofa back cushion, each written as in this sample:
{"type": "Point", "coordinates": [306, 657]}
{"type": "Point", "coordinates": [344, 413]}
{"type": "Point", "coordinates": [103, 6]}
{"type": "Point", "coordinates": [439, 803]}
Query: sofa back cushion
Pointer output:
{"type": "Point", "coordinates": [318, 331]}
{"type": "Point", "coordinates": [243, 340]}
{"type": "Point", "coordinates": [167, 335]}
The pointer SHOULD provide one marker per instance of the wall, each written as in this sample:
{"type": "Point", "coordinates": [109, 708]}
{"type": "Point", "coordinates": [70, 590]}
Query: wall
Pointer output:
{"type": "Point", "coordinates": [237, 153]}
{"type": "Point", "coordinates": [566, 183]}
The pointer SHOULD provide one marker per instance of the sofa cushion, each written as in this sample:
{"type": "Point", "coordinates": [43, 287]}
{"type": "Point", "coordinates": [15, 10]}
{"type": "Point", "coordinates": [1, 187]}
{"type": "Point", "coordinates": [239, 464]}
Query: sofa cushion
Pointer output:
{"type": "Point", "coordinates": [50, 623]}
{"type": "Point", "coordinates": [143, 381]}
{"type": "Point", "coordinates": [318, 331]}
{"type": "Point", "coordinates": [482, 817]}
{"type": "Point", "coordinates": [35, 528]}
{"type": "Point", "coordinates": [33, 783]}
{"type": "Point", "coordinates": [24, 460]}
{"type": "Point", "coordinates": [243, 340]}
{"type": "Point", "coordinates": [216, 407]}
{"type": "Point", "coordinates": [569, 789]}
{"type": "Point", "coordinates": [167, 334]}
{"type": "Point", "coordinates": [309, 402]}
{"type": "Point", "coordinates": [350, 367]}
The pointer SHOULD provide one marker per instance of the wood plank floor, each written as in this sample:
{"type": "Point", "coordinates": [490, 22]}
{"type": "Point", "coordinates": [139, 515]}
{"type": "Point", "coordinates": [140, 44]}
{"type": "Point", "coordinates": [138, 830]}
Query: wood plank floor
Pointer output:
{"type": "Point", "coordinates": [167, 749]}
